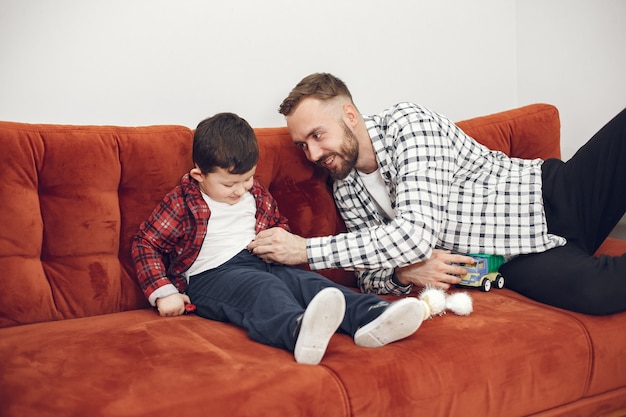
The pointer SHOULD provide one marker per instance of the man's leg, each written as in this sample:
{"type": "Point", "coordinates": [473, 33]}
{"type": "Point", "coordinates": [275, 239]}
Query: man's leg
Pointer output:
{"type": "Point", "coordinates": [569, 278]}
{"type": "Point", "coordinates": [585, 197]}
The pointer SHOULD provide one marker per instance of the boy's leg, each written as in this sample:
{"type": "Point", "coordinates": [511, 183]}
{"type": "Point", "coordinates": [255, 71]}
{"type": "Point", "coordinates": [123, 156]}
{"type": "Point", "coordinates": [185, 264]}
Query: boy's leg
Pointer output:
{"type": "Point", "coordinates": [569, 278]}
{"type": "Point", "coordinates": [305, 284]}
{"type": "Point", "coordinates": [241, 293]}
{"type": "Point", "coordinates": [398, 320]}
{"type": "Point", "coordinates": [368, 316]}
{"type": "Point", "coordinates": [585, 197]}
{"type": "Point", "coordinates": [318, 324]}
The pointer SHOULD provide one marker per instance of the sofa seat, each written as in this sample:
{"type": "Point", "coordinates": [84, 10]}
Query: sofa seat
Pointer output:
{"type": "Point", "coordinates": [134, 363]}
{"type": "Point", "coordinates": [77, 337]}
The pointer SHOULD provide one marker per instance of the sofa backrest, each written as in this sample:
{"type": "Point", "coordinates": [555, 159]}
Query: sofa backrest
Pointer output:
{"type": "Point", "coordinates": [72, 196]}
{"type": "Point", "coordinates": [528, 132]}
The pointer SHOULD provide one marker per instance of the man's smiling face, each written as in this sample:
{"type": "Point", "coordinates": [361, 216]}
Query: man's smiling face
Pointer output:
{"type": "Point", "coordinates": [317, 128]}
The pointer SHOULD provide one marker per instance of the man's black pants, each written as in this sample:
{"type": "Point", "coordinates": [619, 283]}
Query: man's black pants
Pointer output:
{"type": "Point", "coordinates": [584, 198]}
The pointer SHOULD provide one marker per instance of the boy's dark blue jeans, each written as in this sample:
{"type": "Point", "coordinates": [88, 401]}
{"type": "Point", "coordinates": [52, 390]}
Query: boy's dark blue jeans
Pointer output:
{"type": "Point", "coordinates": [266, 299]}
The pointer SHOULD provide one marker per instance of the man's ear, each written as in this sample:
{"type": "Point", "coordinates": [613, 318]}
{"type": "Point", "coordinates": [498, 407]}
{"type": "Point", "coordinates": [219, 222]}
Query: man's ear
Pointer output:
{"type": "Point", "coordinates": [196, 174]}
{"type": "Point", "coordinates": [351, 114]}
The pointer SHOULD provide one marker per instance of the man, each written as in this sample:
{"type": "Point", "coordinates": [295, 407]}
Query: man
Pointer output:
{"type": "Point", "coordinates": [415, 191]}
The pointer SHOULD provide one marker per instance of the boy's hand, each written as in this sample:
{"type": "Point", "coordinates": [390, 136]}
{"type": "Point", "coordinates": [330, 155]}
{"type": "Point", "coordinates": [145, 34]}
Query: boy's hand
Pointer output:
{"type": "Point", "coordinates": [172, 305]}
{"type": "Point", "coordinates": [278, 245]}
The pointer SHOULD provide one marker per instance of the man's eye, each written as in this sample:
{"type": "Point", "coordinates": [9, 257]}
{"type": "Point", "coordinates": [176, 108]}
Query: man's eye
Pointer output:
{"type": "Point", "coordinates": [301, 145]}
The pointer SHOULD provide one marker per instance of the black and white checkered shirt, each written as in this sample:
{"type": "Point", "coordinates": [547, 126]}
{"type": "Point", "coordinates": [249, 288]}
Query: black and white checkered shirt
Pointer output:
{"type": "Point", "coordinates": [447, 191]}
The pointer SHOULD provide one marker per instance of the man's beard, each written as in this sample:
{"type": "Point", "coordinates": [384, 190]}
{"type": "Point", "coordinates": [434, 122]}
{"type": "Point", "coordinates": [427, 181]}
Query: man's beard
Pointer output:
{"type": "Point", "coordinates": [348, 154]}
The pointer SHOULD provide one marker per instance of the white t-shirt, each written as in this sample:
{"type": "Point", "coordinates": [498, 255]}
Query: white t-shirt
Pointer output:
{"type": "Point", "coordinates": [231, 227]}
{"type": "Point", "coordinates": [377, 189]}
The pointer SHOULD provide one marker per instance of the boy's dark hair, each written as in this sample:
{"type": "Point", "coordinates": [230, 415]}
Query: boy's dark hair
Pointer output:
{"type": "Point", "coordinates": [322, 86]}
{"type": "Point", "coordinates": [225, 141]}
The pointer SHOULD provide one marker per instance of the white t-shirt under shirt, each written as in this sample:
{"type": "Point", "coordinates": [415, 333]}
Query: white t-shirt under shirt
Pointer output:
{"type": "Point", "coordinates": [231, 227]}
{"type": "Point", "coordinates": [377, 189]}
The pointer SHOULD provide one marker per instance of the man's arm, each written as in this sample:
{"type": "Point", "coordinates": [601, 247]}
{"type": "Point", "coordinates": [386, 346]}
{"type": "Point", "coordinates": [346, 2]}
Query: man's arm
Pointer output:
{"type": "Point", "coordinates": [441, 270]}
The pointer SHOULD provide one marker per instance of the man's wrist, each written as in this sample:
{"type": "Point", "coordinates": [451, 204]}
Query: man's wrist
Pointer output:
{"type": "Point", "coordinates": [397, 281]}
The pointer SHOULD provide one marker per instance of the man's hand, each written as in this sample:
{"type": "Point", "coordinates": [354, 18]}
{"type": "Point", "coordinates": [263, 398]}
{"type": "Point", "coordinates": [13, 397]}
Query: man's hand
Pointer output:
{"type": "Point", "coordinates": [439, 271]}
{"type": "Point", "coordinates": [172, 305]}
{"type": "Point", "coordinates": [278, 245]}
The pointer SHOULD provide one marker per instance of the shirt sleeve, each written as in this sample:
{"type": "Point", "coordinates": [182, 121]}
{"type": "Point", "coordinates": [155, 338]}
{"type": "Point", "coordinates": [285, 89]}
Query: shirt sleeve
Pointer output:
{"type": "Point", "coordinates": [157, 238]}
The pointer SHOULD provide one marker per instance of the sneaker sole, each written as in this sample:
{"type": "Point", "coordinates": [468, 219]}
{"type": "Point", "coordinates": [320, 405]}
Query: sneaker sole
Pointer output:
{"type": "Point", "coordinates": [321, 320]}
{"type": "Point", "coordinates": [401, 319]}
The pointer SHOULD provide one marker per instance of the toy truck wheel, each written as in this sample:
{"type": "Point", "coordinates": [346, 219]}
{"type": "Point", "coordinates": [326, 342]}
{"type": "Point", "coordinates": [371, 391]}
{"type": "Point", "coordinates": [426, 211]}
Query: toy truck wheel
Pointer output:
{"type": "Point", "coordinates": [499, 282]}
{"type": "Point", "coordinates": [486, 285]}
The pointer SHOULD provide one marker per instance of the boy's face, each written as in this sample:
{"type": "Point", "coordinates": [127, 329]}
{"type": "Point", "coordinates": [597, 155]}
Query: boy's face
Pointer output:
{"type": "Point", "coordinates": [222, 186]}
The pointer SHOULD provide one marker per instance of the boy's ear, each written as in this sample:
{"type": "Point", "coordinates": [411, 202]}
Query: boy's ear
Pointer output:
{"type": "Point", "coordinates": [196, 174]}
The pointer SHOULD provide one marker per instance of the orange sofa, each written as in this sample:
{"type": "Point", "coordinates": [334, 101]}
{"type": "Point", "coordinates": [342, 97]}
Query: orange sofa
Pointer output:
{"type": "Point", "coordinates": [77, 337]}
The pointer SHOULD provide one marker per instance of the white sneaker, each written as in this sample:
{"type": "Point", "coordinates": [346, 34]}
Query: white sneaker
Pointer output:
{"type": "Point", "coordinates": [399, 320]}
{"type": "Point", "coordinates": [321, 320]}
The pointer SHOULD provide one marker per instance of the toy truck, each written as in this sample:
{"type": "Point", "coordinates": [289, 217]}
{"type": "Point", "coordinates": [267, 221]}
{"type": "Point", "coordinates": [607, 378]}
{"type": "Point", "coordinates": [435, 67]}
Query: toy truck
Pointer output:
{"type": "Point", "coordinates": [484, 272]}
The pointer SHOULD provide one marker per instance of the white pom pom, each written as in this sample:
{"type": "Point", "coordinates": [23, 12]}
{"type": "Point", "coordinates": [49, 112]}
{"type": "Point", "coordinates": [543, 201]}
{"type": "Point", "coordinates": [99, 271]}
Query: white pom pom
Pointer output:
{"type": "Point", "coordinates": [459, 303]}
{"type": "Point", "coordinates": [435, 298]}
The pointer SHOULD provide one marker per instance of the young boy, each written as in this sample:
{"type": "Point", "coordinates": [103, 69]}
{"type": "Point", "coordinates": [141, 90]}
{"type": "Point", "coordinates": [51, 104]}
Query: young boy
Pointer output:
{"type": "Point", "coordinates": [201, 230]}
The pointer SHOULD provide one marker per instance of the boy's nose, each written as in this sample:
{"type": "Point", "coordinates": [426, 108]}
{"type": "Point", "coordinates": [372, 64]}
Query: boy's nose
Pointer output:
{"type": "Point", "coordinates": [240, 189]}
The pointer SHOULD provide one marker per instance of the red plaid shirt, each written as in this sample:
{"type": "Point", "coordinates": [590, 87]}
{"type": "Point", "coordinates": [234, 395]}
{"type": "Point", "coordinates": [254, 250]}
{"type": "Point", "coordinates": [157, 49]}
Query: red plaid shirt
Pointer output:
{"type": "Point", "coordinates": [169, 241]}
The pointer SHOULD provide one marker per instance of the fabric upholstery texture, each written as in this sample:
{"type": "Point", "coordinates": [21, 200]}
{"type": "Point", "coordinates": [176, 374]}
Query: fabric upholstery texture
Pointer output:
{"type": "Point", "coordinates": [77, 337]}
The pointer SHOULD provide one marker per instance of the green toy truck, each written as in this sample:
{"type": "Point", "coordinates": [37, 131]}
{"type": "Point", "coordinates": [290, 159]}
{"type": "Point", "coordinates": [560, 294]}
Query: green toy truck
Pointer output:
{"type": "Point", "coordinates": [484, 272]}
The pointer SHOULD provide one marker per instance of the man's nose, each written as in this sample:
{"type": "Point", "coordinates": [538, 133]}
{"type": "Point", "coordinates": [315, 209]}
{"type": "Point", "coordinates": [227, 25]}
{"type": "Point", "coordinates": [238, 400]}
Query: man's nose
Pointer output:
{"type": "Point", "coordinates": [314, 152]}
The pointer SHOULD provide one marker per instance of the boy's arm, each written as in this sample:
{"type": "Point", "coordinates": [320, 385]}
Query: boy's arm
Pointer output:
{"type": "Point", "coordinates": [155, 239]}
{"type": "Point", "coordinates": [151, 271]}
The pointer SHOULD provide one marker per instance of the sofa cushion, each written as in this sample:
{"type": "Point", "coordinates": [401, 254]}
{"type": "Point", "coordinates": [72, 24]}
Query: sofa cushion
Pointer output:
{"type": "Point", "coordinates": [505, 350]}
{"type": "Point", "coordinates": [137, 364]}
{"type": "Point", "coordinates": [74, 196]}
{"type": "Point", "coordinates": [528, 132]}
{"type": "Point", "coordinates": [140, 364]}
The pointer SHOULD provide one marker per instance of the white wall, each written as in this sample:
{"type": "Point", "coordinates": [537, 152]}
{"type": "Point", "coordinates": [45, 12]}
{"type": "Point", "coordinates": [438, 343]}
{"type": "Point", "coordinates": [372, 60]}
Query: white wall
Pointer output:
{"type": "Point", "coordinates": [138, 62]}
{"type": "Point", "coordinates": [572, 53]}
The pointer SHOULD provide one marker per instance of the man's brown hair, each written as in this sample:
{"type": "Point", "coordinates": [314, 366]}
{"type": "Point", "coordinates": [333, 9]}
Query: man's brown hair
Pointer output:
{"type": "Point", "coordinates": [322, 86]}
